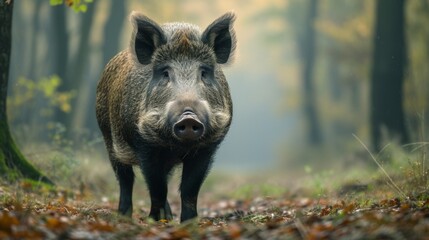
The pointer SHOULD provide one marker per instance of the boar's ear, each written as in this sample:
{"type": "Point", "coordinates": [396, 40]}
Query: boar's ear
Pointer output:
{"type": "Point", "coordinates": [220, 36]}
{"type": "Point", "coordinates": [147, 36]}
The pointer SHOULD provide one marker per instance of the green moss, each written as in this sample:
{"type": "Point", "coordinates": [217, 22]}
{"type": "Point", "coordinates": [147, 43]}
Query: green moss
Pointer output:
{"type": "Point", "coordinates": [3, 167]}
{"type": "Point", "coordinates": [38, 186]}
{"type": "Point", "coordinates": [12, 162]}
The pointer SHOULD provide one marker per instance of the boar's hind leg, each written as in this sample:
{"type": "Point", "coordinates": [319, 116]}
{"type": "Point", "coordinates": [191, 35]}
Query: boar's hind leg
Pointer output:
{"type": "Point", "coordinates": [125, 176]}
{"type": "Point", "coordinates": [156, 180]}
{"type": "Point", "coordinates": [193, 175]}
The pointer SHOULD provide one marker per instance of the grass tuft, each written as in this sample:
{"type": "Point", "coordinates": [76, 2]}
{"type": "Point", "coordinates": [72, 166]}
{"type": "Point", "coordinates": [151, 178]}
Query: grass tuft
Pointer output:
{"type": "Point", "coordinates": [390, 180]}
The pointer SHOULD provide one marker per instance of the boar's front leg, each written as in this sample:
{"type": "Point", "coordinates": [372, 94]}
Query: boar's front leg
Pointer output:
{"type": "Point", "coordinates": [194, 172]}
{"type": "Point", "coordinates": [156, 174]}
{"type": "Point", "coordinates": [125, 175]}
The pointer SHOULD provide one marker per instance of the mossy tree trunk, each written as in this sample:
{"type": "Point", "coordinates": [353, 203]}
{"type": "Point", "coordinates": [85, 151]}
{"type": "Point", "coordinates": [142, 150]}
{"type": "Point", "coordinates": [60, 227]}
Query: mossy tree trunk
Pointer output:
{"type": "Point", "coordinates": [12, 162]}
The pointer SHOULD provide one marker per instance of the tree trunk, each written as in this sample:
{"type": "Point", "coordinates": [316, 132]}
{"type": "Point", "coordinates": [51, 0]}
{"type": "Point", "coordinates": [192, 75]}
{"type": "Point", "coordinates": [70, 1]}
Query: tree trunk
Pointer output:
{"type": "Point", "coordinates": [307, 47]}
{"type": "Point", "coordinates": [59, 43]}
{"type": "Point", "coordinates": [112, 34]}
{"type": "Point", "coordinates": [76, 69]}
{"type": "Point", "coordinates": [79, 69]}
{"type": "Point", "coordinates": [59, 53]}
{"type": "Point", "coordinates": [34, 72]}
{"type": "Point", "coordinates": [112, 30]}
{"type": "Point", "coordinates": [12, 162]}
{"type": "Point", "coordinates": [388, 72]}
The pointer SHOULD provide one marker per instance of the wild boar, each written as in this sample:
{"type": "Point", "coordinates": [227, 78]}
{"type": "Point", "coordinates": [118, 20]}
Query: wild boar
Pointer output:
{"type": "Point", "coordinates": [165, 101]}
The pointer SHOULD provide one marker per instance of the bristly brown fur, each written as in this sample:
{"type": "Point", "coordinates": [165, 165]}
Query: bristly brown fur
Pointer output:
{"type": "Point", "coordinates": [168, 71]}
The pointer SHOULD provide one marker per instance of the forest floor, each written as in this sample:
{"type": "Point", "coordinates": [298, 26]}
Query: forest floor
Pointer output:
{"type": "Point", "coordinates": [353, 211]}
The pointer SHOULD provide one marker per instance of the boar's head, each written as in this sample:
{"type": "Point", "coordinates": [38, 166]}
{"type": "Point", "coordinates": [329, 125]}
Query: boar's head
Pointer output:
{"type": "Point", "coordinates": [185, 100]}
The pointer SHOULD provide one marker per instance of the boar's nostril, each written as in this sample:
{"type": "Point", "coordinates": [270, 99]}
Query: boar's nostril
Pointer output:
{"type": "Point", "coordinates": [188, 129]}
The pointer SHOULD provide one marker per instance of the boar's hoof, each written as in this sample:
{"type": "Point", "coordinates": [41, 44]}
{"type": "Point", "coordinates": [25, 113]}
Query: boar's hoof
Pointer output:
{"type": "Point", "coordinates": [188, 128]}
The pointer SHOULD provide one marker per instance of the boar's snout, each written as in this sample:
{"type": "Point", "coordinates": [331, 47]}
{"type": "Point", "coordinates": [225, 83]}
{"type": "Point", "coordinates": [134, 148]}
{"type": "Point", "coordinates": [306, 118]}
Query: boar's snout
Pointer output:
{"type": "Point", "coordinates": [188, 128]}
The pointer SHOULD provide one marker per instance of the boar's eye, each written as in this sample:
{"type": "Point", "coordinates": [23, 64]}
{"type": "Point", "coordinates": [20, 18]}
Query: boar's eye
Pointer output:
{"type": "Point", "coordinates": [165, 79]}
{"type": "Point", "coordinates": [206, 74]}
{"type": "Point", "coordinates": [165, 74]}
{"type": "Point", "coordinates": [203, 74]}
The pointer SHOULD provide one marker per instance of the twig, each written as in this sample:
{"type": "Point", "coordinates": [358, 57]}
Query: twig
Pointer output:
{"type": "Point", "coordinates": [301, 228]}
{"type": "Point", "coordinates": [382, 169]}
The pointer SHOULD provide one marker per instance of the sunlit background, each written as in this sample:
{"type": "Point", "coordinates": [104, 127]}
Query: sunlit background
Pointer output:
{"type": "Point", "coordinates": [58, 56]}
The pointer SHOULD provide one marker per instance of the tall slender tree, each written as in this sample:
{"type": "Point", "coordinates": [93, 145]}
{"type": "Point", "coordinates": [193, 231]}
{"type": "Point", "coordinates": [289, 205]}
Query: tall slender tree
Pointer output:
{"type": "Point", "coordinates": [112, 31]}
{"type": "Point", "coordinates": [80, 76]}
{"type": "Point", "coordinates": [387, 78]}
{"type": "Point", "coordinates": [77, 66]}
{"type": "Point", "coordinates": [59, 43]}
{"type": "Point", "coordinates": [12, 162]}
{"type": "Point", "coordinates": [307, 49]}
{"type": "Point", "coordinates": [33, 71]}
{"type": "Point", "coordinates": [59, 54]}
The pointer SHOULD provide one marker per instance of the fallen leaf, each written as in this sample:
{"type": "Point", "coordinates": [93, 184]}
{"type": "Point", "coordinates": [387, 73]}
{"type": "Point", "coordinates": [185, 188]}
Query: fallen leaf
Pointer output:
{"type": "Point", "coordinates": [7, 220]}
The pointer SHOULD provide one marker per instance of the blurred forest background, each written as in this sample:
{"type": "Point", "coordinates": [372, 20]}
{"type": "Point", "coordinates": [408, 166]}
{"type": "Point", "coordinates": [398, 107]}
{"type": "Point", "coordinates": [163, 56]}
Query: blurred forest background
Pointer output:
{"type": "Point", "coordinates": [305, 79]}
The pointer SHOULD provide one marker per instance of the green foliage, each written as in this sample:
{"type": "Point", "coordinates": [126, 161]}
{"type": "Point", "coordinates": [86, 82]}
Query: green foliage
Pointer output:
{"type": "Point", "coordinates": [68, 162]}
{"type": "Point", "coordinates": [63, 163]}
{"type": "Point", "coordinates": [56, 2]}
{"type": "Point", "coordinates": [76, 5]}
{"type": "Point", "coordinates": [407, 171]}
{"type": "Point", "coordinates": [42, 98]}
{"type": "Point", "coordinates": [417, 172]}
{"type": "Point", "coordinates": [26, 92]}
